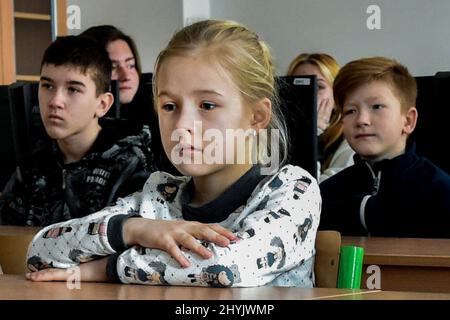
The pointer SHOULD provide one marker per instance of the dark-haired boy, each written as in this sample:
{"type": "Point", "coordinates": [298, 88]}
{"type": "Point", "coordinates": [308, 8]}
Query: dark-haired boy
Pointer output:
{"type": "Point", "coordinates": [85, 168]}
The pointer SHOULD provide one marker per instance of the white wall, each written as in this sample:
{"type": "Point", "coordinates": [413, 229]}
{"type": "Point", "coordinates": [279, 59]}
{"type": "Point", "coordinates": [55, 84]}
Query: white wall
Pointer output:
{"type": "Point", "coordinates": [195, 10]}
{"type": "Point", "coordinates": [416, 32]}
{"type": "Point", "coordinates": [150, 23]}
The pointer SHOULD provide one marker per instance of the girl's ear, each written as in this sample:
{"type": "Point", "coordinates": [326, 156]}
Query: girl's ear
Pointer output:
{"type": "Point", "coordinates": [262, 113]}
{"type": "Point", "coordinates": [105, 101]}
{"type": "Point", "coordinates": [410, 121]}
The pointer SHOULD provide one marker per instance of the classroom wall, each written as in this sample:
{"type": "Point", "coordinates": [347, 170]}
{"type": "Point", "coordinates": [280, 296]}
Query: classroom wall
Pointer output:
{"type": "Point", "coordinates": [150, 23]}
{"type": "Point", "coordinates": [416, 32]}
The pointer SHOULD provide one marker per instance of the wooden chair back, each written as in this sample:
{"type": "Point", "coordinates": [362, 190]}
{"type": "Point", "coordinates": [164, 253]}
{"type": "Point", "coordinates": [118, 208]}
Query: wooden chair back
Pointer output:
{"type": "Point", "coordinates": [326, 267]}
{"type": "Point", "coordinates": [14, 242]}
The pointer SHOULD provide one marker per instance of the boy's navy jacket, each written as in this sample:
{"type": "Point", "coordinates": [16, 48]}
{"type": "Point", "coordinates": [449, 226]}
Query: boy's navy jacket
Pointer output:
{"type": "Point", "coordinates": [407, 196]}
{"type": "Point", "coordinates": [47, 191]}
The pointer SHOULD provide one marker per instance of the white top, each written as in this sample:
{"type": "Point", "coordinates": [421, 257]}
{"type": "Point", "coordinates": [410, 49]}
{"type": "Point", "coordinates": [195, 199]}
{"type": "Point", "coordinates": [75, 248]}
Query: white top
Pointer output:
{"type": "Point", "coordinates": [276, 229]}
{"type": "Point", "coordinates": [342, 158]}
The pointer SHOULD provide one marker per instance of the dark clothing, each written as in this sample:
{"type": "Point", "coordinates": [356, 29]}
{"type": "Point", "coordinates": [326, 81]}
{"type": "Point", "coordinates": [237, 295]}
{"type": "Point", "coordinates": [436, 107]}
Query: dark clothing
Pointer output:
{"type": "Point", "coordinates": [47, 191]}
{"type": "Point", "coordinates": [141, 111]}
{"type": "Point", "coordinates": [229, 201]}
{"type": "Point", "coordinates": [406, 196]}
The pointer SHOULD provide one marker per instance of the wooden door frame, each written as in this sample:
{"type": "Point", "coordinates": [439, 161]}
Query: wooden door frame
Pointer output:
{"type": "Point", "coordinates": [7, 54]}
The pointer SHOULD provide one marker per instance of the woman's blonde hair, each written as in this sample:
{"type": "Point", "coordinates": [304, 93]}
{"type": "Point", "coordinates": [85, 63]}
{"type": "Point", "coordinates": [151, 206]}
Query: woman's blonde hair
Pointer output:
{"type": "Point", "coordinates": [242, 55]}
{"type": "Point", "coordinates": [329, 68]}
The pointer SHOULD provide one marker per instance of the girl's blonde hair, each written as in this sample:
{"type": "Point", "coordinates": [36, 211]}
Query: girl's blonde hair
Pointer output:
{"type": "Point", "coordinates": [245, 58]}
{"type": "Point", "coordinates": [329, 68]}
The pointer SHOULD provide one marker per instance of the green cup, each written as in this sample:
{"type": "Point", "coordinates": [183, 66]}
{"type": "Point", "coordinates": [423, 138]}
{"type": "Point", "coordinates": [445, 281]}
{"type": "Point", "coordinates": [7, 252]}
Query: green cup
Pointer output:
{"type": "Point", "coordinates": [350, 267]}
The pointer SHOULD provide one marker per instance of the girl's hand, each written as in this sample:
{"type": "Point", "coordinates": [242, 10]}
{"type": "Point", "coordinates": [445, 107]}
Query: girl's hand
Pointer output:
{"type": "Point", "coordinates": [93, 271]}
{"type": "Point", "coordinates": [324, 110]}
{"type": "Point", "coordinates": [169, 236]}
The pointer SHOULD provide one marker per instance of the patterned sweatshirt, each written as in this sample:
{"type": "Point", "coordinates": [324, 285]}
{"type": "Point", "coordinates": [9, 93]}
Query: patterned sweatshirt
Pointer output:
{"type": "Point", "coordinates": [48, 191]}
{"type": "Point", "coordinates": [275, 218]}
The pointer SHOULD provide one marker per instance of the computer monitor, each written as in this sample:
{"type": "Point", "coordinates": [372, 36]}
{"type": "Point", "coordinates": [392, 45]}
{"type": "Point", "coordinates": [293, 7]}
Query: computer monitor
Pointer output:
{"type": "Point", "coordinates": [27, 128]}
{"type": "Point", "coordinates": [433, 106]}
{"type": "Point", "coordinates": [298, 95]}
{"type": "Point", "coordinates": [7, 154]}
{"type": "Point", "coordinates": [114, 111]}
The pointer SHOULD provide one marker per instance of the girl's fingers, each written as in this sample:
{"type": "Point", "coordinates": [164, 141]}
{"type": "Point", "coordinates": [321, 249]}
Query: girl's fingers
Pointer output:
{"type": "Point", "coordinates": [174, 250]}
{"type": "Point", "coordinates": [48, 275]}
{"type": "Point", "coordinates": [223, 231]}
{"type": "Point", "coordinates": [214, 234]}
{"type": "Point", "coordinates": [190, 243]}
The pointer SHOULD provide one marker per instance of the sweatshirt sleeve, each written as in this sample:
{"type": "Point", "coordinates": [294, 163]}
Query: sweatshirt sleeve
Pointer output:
{"type": "Point", "coordinates": [14, 201]}
{"type": "Point", "coordinates": [276, 234]}
{"type": "Point", "coordinates": [69, 243]}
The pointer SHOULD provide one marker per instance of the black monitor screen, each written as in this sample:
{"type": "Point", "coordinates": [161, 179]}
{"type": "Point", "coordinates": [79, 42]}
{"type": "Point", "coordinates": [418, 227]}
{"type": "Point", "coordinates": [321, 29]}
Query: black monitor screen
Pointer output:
{"type": "Point", "coordinates": [28, 129]}
{"type": "Point", "coordinates": [433, 106]}
{"type": "Point", "coordinates": [7, 155]}
{"type": "Point", "coordinates": [114, 111]}
{"type": "Point", "coordinates": [298, 95]}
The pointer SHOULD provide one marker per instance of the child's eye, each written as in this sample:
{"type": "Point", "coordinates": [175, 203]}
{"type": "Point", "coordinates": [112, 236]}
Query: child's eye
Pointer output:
{"type": "Point", "coordinates": [348, 111]}
{"type": "Point", "coordinates": [46, 86]}
{"type": "Point", "coordinates": [208, 105]}
{"type": "Point", "coordinates": [131, 66]}
{"type": "Point", "coordinates": [168, 107]}
{"type": "Point", "coordinates": [73, 90]}
{"type": "Point", "coordinates": [377, 106]}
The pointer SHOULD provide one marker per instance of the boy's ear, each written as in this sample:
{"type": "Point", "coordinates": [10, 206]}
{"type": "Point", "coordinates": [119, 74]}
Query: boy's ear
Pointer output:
{"type": "Point", "coordinates": [262, 113]}
{"type": "Point", "coordinates": [410, 121]}
{"type": "Point", "coordinates": [105, 101]}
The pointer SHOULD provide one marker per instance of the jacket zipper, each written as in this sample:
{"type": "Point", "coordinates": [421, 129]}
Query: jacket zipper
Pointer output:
{"type": "Point", "coordinates": [376, 187]}
{"type": "Point", "coordinates": [64, 178]}
{"type": "Point", "coordinates": [64, 174]}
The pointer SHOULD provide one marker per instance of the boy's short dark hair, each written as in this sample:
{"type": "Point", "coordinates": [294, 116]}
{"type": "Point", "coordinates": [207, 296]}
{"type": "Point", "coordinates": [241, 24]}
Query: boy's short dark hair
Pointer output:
{"type": "Point", "coordinates": [363, 71]}
{"type": "Point", "coordinates": [104, 34]}
{"type": "Point", "coordinates": [83, 53]}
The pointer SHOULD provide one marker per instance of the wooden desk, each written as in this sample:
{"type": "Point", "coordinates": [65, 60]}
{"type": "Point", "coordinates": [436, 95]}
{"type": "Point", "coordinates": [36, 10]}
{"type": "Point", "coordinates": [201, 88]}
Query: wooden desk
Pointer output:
{"type": "Point", "coordinates": [18, 230]}
{"type": "Point", "coordinates": [407, 264]}
{"type": "Point", "coordinates": [17, 287]}
{"type": "Point", "coordinates": [13, 247]}
{"type": "Point", "coordinates": [394, 295]}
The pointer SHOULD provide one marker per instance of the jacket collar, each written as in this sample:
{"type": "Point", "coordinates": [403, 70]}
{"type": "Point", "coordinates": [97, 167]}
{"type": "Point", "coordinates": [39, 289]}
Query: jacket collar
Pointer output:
{"type": "Point", "coordinates": [103, 142]}
{"type": "Point", "coordinates": [399, 163]}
